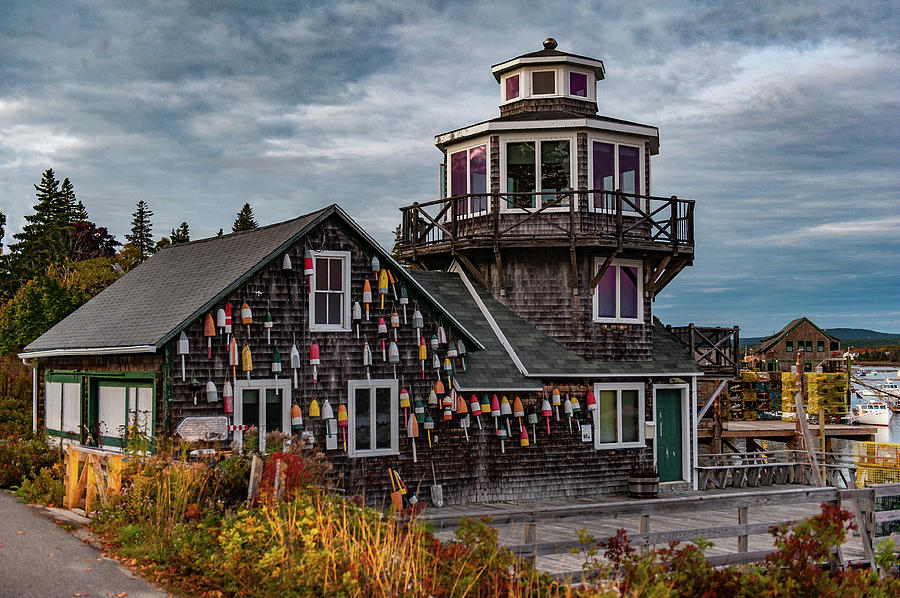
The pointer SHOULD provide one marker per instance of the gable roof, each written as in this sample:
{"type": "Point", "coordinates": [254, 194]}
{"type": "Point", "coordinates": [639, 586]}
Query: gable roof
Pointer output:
{"type": "Point", "coordinates": [517, 351]}
{"type": "Point", "coordinates": [151, 304]}
{"type": "Point", "coordinates": [769, 341]}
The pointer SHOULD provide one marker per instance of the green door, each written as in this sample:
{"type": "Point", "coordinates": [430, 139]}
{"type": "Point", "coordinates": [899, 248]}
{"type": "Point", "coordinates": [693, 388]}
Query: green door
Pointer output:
{"type": "Point", "coordinates": [669, 434]}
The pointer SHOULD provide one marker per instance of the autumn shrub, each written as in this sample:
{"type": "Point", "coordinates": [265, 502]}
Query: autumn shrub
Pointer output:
{"type": "Point", "coordinates": [798, 567]}
{"type": "Point", "coordinates": [24, 458]}
{"type": "Point", "coordinates": [47, 487]}
{"type": "Point", "coordinates": [15, 398]}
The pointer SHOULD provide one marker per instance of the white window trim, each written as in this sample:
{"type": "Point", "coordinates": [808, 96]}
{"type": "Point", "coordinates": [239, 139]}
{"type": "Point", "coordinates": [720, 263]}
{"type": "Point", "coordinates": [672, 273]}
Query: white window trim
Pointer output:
{"type": "Point", "coordinates": [590, 88]}
{"type": "Point", "coordinates": [503, 79]}
{"type": "Point", "coordinates": [573, 159]}
{"type": "Point", "coordinates": [685, 430]}
{"type": "Point", "coordinates": [562, 83]}
{"type": "Point", "coordinates": [642, 433]}
{"type": "Point", "coordinates": [352, 386]}
{"type": "Point", "coordinates": [449, 178]}
{"type": "Point", "coordinates": [283, 385]}
{"type": "Point", "coordinates": [598, 262]}
{"type": "Point", "coordinates": [590, 175]}
{"type": "Point", "coordinates": [345, 317]}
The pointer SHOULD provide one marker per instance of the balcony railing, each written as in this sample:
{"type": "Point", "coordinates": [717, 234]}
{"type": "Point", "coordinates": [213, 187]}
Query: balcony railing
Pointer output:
{"type": "Point", "coordinates": [592, 217]}
{"type": "Point", "coordinates": [716, 349]}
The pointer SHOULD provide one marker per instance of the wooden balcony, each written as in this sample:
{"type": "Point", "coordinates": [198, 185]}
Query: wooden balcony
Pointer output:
{"type": "Point", "coordinates": [716, 350]}
{"type": "Point", "coordinates": [612, 221]}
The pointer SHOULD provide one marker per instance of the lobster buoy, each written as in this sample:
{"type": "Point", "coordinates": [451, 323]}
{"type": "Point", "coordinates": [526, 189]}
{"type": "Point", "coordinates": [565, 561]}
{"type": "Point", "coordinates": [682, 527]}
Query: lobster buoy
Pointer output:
{"type": "Point", "coordinates": [296, 418]}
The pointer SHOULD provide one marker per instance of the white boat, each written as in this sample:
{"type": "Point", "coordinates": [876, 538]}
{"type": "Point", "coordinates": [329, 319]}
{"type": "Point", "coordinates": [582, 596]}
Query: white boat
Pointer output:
{"type": "Point", "coordinates": [873, 413]}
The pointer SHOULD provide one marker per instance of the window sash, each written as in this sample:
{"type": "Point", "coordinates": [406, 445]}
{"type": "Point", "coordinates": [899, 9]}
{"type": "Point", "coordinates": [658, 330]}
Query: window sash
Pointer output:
{"type": "Point", "coordinates": [512, 87]}
{"type": "Point", "coordinates": [264, 404]}
{"type": "Point", "coordinates": [789, 346]}
{"type": "Point", "coordinates": [618, 295]}
{"type": "Point", "coordinates": [373, 416]}
{"type": "Point", "coordinates": [468, 175]}
{"type": "Point", "coordinates": [329, 303]}
{"type": "Point", "coordinates": [533, 164]}
{"type": "Point", "coordinates": [619, 418]}
{"type": "Point", "coordinates": [543, 83]}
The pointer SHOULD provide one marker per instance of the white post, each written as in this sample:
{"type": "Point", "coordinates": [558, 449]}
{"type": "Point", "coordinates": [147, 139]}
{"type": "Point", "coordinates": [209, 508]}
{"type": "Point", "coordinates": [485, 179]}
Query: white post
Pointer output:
{"type": "Point", "coordinates": [34, 394]}
{"type": "Point", "coordinates": [695, 427]}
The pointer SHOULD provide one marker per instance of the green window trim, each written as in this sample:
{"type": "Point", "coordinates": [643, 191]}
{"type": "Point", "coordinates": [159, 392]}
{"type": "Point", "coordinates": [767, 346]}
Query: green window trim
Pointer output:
{"type": "Point", "coordinates": [55, 377]}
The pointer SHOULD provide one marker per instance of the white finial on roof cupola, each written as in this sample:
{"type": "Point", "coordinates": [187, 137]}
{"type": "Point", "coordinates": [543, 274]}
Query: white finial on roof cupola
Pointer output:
{"type": "Point", "coordinates": [549, 80]}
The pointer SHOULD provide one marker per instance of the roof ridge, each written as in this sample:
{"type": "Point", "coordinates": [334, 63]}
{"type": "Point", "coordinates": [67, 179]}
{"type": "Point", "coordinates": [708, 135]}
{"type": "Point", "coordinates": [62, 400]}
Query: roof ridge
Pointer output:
{"type": "Point", "coordinates": [244, 232]}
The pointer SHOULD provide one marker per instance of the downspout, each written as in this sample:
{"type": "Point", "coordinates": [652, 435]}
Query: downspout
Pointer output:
{"type": "Point", "coordinates": [34, 393]}
{"type": "Point", "coordinates": [696, 427]}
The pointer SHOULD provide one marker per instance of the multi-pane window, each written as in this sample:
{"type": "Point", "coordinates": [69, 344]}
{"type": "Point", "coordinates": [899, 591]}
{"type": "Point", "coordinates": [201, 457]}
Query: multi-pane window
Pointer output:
{"type": "Point", "coordinates": [809, 346]}
{"type": "Point", "coordinates": [512, 87]}
{"type": "Point", "coordinates": [372, 414]}
{"type": "Point", "coordinates": [620, 415]}
{"type": "Point", "coordinates": [264, 405]}
{"type": "Point", "coordinates": [615, 166]}
{"type": "Point", "coordinates": [617, 297]}
{"type": "Point", "coordinates": [789, 346]}
{"type": "Point", "coordinates": [835, 346]}
{"type": "Point", "coordinates": [543, 82]}
{"type": "Point", "coordinates": [468, 175]}
{"type": "Point", "coordinates": [62, 406]}
{"type": "Point", "coordinates": [578, 84]}
{"type": "Point", "coordinates": [820, 346]}
{"type": "Point", "coordinates": [330, 297]}
{"type": "Point", "coordinates": [544, 165]}
{"type": "Point", "coordinates": [124, 406]}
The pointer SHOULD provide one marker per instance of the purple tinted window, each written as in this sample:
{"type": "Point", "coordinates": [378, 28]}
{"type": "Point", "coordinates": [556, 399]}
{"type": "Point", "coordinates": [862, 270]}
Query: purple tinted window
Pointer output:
{"type": "Point", "coordinates": [628, 295]}
{"type": "Point", "coordinates": [458, 179]}
{"type": "Point", "coordinates": [606, 294]}
{"type": "Point", "coordinates": [478, 176]}
{"type": "Point", "coordinates": [578, 84]}
{"type": "Point", "coordinates": [628, 169]}
{"type": "Point", "coordinates": [512, 87]}
{"type": "Point", "coordinates": [604, 172]}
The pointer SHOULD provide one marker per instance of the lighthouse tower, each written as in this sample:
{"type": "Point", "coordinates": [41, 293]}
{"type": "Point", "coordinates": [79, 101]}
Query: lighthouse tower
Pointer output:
{"type": "Point", "coordinates": [548, 206]}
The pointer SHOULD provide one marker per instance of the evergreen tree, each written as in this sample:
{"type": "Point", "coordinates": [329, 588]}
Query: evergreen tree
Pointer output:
{"type": "Point", "coordinates": [74, 210]}
{"type": "Point", "coordinates": [39, 242]}
{"type": "Point", "coordinates": [180, 234]}
{"type": "Point", "coordinates": [220, 233]}
{"type": "Point", "coordinates": [3, 230]}
{"type": "Point", "coordinates": [244, 220]}
{"type": "Point", "coordinates": [162, 244]}
{"type": "Point", "coordinates": [398, 239]}
{"type": "Point", "coordinates": [141, 230]}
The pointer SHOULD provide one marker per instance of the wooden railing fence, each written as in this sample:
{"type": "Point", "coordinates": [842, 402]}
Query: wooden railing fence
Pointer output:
{"type": "Point", "coordinates": [91, 472]}
{"type": "Point", "coordinates": [861, 502]}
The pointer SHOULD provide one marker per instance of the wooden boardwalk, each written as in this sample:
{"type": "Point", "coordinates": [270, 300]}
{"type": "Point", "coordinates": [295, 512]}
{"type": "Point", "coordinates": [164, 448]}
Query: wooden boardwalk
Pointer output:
{"type": "Point", "coordinates": [720, 513]}
{"type": "Point", "coordinates": [784, 431]}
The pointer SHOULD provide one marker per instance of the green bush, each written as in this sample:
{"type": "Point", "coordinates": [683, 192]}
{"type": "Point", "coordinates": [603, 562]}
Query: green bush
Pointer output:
{"type": "Point", "coordinates": [46, 488]}
{"type": "Point", "coordinates": [24, 458]}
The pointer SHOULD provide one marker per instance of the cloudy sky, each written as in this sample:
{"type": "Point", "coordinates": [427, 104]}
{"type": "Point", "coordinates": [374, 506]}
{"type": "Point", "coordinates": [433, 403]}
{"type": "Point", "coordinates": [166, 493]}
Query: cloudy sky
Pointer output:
{"type": "Point", "coordinates": [782, 119]}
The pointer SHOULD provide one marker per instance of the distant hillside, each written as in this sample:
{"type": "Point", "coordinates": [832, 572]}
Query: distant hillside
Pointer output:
{"type": "Point", "coordinates": [854, 336]}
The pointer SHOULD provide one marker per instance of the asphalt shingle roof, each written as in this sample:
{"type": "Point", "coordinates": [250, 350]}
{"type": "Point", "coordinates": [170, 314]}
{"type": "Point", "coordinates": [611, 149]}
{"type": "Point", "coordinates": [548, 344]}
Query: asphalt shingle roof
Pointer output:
{"type": "Point", "coordinates": [158, 296]}
{"type": "Point", "coordinates": [541, 355]}
{"type": "Point", "coordinates": [490, 369]}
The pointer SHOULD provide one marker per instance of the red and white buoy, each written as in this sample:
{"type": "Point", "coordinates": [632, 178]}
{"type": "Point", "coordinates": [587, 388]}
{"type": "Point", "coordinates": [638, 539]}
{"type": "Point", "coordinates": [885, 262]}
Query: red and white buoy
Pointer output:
{"type": "Point", "coordinates": [228, 323]}
{"type": "Point", "coordinates": [314, 360]}
{"type": "Point", "coordinates": [475, 408]}
{"type": "Point", "coordinates": [546, 412]}
{"type": "Point", "coordinates": [308, 268]}
{"type": "Point", "coordinates": [382, 334]}
{"type": "Point", "coordinates": [367, 296]}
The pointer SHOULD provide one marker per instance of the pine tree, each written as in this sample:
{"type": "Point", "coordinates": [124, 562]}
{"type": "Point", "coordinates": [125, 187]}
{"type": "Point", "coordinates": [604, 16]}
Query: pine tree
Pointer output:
{"type": "Point", "coordinates": [180, 234]}
{"type": "Point", "coordinates": [141, 230]}
{"type": "Point", "coordinates": [220, 233]}
{"type": "Point", "coordinates": [39, 242]}
{"type": "Point", "coordinates": [2, 230]}
{"type": "Point", "coordinates": [74, 210]}
{"type": "Point", "coordinates": [244, 220]}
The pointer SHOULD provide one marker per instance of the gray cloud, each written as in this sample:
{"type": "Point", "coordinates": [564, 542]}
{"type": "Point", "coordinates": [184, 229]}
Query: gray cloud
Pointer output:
{"type": "Point", "coordinates": [778, 119]}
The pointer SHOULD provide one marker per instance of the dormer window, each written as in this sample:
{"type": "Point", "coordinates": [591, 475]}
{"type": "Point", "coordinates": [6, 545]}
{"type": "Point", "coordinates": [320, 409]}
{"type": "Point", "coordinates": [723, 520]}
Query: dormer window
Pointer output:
{"type": "Point", "coordinates": [512, 87]}
{"type": "Point", "coordinates": [578, 84]}
{"type": "Point", "coordinates": [543, 83]}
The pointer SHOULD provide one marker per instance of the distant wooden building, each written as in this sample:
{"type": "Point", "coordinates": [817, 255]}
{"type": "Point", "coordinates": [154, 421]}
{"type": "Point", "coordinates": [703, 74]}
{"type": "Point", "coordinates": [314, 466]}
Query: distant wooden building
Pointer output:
{"type": "Point", "coordinates": [529, 298]}
{"type": "Point", "coordinates": [778, 352]}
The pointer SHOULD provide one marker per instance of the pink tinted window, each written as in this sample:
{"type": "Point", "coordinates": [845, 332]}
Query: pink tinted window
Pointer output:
{"type": "Point", "coordinates": [606, 294]}
{"type": "Point", "coordinates": [628, 295]}
{"type": "Point", "coordinates": [458, 181]}
{"type": "Point", "coordinates": [578, 84]}
{"type": "Point", "coordinates": [512, 87]}
{"type": "Point", "coordinates": [478, 177]}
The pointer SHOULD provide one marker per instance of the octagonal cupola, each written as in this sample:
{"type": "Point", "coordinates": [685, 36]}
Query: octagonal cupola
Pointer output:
{"type": "Point", "coordinates": [548, 80]}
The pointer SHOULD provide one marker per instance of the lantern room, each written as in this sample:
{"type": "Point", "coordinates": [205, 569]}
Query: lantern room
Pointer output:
{"type": "Point", "coordinates": [548, 78]}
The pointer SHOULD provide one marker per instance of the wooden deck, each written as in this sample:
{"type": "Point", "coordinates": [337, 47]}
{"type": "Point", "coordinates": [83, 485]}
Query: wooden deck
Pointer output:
{"type": "Point", "coordinates": [723, 515]}
{"type": "Point", "coordinates": [783, 431]}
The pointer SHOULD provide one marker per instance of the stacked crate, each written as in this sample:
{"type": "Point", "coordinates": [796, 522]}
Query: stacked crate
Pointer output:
{"type": "Point", "coordinates": [827, 391]}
